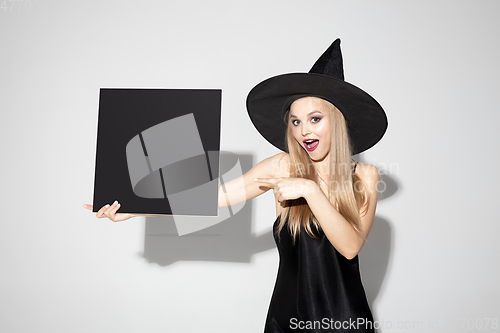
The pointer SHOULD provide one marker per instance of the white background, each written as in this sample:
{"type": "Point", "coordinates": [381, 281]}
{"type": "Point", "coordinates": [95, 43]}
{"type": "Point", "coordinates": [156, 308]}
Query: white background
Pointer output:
{"type": "Point", "coordinates": [431, 261]}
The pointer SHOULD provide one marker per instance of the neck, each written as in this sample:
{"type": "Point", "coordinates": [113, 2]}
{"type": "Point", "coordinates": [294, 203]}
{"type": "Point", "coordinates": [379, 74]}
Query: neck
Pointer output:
{"type": "Point", "coordinates": [323, 167]}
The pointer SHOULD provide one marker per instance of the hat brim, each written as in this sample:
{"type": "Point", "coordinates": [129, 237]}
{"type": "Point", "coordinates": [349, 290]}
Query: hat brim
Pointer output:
{"type": "Point", "coordinates": [268, 101]}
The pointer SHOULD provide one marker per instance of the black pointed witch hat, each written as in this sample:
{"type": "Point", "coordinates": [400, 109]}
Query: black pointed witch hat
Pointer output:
{"type": "Point", "coordinates": [269, 100]}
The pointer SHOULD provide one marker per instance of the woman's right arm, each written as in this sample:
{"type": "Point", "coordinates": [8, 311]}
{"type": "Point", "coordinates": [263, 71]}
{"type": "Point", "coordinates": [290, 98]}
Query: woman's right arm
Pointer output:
{"type": "Point", "coordinates": [245, 188]}
{"type": "Point", "coordinates": [231, 193]}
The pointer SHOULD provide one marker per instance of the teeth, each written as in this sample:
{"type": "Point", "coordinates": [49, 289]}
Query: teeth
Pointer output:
{"type": "Point", "coordinates": [309, 142]}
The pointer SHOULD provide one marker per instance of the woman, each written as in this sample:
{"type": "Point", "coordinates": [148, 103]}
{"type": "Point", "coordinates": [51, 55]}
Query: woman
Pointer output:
{"type": "Point", "coordinates": [325, 202]}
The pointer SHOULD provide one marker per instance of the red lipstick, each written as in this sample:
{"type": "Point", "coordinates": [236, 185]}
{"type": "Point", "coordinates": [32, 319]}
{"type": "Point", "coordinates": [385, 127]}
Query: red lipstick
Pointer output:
{"type": "Point", "coordinates": [311, 144]}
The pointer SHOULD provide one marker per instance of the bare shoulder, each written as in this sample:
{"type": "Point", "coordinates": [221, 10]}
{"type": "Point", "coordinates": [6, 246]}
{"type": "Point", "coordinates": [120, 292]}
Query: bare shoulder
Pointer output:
{"type": "Point", "coordinates": [282, 160]}
{"type": "Point", "coordinates": [367, 170]}
{"type": "Point", "coordinates": [369, 175]}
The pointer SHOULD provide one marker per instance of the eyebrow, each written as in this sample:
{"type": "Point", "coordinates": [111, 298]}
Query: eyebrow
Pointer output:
{"type": "Point", "coordinates": [310, 113]}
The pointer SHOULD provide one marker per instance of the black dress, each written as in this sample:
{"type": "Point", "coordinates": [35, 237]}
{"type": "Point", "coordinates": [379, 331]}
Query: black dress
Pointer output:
{"type": "Point", "coordinates": [317, 289]}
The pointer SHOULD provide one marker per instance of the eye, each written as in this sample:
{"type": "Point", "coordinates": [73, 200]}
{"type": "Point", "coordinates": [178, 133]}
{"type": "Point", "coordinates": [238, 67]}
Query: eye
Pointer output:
{"type": "Point", "coordinates": [295, 122]}
{"type": "Point", "coordinates": [315, 119]}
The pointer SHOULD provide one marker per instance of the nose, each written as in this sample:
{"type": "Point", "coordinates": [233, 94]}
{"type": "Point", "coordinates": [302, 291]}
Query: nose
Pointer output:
{"type": "Point", "coordinates": [305, 129]}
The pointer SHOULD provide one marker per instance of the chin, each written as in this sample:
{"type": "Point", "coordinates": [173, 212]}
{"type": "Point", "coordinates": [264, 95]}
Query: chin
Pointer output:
{"type": "Point", "coordinates": [317, 157]}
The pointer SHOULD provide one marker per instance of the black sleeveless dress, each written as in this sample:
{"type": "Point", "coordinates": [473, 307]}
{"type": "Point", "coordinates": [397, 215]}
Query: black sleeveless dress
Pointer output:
{"type": "Point", "coordinates": [317, 289]}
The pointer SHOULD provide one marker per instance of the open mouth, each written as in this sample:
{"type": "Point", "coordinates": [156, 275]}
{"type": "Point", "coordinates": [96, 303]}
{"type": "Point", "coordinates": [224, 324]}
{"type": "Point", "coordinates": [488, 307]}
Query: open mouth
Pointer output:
{"type": "Point", "coordinates": [311, 144]}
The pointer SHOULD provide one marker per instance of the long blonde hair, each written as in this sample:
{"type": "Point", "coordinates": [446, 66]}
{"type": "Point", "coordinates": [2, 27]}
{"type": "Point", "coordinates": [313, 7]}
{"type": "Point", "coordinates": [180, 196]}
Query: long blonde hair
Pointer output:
{"type": "Point", "coordinates": [347, 192]}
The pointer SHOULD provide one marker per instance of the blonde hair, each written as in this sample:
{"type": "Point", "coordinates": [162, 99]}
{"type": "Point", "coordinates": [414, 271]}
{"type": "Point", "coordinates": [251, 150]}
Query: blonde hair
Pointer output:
{"type": "Point", "coordinates": [347, 192]}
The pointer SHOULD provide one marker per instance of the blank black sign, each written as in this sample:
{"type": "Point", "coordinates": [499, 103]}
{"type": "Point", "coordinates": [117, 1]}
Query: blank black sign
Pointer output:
{"type": "Point", "coordinates": [158, 150]}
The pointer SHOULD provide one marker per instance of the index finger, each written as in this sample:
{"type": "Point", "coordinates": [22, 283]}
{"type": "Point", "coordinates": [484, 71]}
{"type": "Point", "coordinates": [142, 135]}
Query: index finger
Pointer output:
{"type": "Point", "coordinates": [271, 181]}
{"type": "Point", "coordinates": [100, 213]}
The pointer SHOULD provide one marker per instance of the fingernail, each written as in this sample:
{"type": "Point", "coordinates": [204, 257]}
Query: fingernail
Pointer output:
{"type": "Point", "coordinates": [106, 206]}
{"type": "Point", "coordinates": [118, 205]}
{"type": "Point", "coordinates": [114, 203]}
{"type": "Point", "coordinates": [256, 179]}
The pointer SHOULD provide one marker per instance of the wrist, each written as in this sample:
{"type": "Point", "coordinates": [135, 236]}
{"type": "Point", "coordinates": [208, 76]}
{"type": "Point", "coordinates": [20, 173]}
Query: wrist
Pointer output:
{"type": "Point", "coordinates": [311, 189]}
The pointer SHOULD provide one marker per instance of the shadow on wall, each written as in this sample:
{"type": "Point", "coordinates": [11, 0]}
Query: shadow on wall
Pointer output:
{"type": "Point", "coordinates": [232, 240]}
{"type": "Point", "coordinates": [374, 257]}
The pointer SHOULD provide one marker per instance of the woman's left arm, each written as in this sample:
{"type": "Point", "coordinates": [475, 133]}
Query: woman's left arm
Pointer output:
{"type": "Point", "coordinates": [337, 229]}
